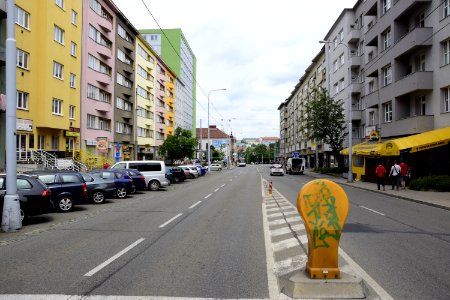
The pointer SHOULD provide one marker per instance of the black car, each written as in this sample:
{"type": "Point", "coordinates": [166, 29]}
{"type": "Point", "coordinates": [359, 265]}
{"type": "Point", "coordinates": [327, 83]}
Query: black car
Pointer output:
{"type": "Point", "coordinates": [138, 178]}
{"type": "Point", "coordinates": [98, 189]}
{"type": "Point", "coordinates": [34, 196]}
{"type": "Point", "coordinates": [68, 188]}
{"type": "Point", "coordinates": [178, 174]}
{"type": "Point", "coordinates": [124, 183]}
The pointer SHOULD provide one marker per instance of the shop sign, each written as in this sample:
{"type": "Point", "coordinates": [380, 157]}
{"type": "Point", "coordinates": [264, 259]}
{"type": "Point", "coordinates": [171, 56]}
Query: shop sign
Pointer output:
{"type": "Point", "coordinates": [72, 134]}
{"type": "Point", "coordinates": [374, 136]}
{"type": "Point", "coordinates": [102, 145]}
{"type": "Point", "coordinates": [91, 142]}
{"type": "Point", "coordinates": [24, 125]}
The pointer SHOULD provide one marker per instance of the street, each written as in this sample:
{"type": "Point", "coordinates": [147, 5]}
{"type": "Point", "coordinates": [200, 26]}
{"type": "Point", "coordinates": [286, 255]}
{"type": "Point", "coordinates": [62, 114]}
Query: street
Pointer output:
{"type": "Point", "coordinates": [205, 239]}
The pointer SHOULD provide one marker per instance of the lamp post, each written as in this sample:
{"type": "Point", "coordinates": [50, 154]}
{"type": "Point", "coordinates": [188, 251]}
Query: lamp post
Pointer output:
{"type": "Point", "coordinates": [209, 140]}
{"type": "Point", "coordinates": [349, 107]}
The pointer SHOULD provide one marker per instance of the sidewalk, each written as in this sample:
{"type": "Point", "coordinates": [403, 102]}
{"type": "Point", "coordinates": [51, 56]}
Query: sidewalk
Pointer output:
{"type": "Point", "coordinates": [436, 199]}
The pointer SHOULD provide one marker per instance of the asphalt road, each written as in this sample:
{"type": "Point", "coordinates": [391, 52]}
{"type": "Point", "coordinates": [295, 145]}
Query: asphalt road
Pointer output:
{"type": "Point", "coordinates": [402, 245]}
{"type": "Point", "coordinates": [201, 238]}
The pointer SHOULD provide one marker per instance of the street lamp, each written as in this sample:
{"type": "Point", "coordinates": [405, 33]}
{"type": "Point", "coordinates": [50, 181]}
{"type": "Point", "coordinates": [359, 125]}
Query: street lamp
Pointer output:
{"type": "Point", "coordinates": [349, 126]}
{"type": "Point", "coordinates": [209, 141]}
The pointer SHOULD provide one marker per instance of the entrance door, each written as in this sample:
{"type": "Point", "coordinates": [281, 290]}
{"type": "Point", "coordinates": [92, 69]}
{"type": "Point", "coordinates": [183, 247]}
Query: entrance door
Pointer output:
{"type": "Point", "coordinates": [21, 147]}
{"type": "Point", "coordinates": [70, 143]}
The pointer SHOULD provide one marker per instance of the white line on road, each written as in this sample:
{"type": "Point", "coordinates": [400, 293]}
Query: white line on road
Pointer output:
{"type": "Point", "coordinates": [377, 212]}
{"type": "Point", "coordinates": [101, 266]}
{"type": "Point", "coordinates": [195, 204]}
{"type": "Point", "coordinates": [222, 185]}
{"type": "Point", "coordinates": [216, 190]}
{"type": "Point", "coordinates": [207, 196]}
{"type": "Point", "coordinates": [163, 225]}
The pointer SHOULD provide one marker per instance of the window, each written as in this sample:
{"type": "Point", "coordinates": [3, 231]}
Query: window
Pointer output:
{"type": "Point", "coordinates": [387, 38]}
{"type": "Point", "coordinates": [371, 118]}
{"type": "Point", "coordinates": [341, 84]}
{"type": "Point", "coordinates": [386, 5]}
{"type": "Point", "coordinates": [97, 65]}
{"type": "Point", "coordinates": [98, 94]}
{"type": "Point", "coordinates": [420, 106]}
{"type": "Point", "coordinates": [122, 80]}
{"type": "Point", "coordinates": [55, 142]}
{"type": "Point", "coordinates": [73, 80]}
{"type": "Point", "coordinates": [60, 3]}
{"type": "Point", "coordinates": [123, 57]}
{"type": "Point", "coordinates": [91, 121]}
{"type": "Point", "coordinates": [159, 135]}
{"type": "Point", "coordinates": [142, 92]}
{"type": "Point", "coordinates": [420, 20]}
{"type": "Point", "coordinates": [71, 112]}
{"type": "Point", "coordinates": [58, 35]}
{"type": "Point", "coordinates": [141, 51]}
{"type": "Point", "coordinates": [419, 62]}
{"type": "Point", "coordinates": [387, 109]}
{"type": "Point", "coordinates": [22, 18]}
{"type": "Point", "coordinates": [57, 70]}
{"type": "Point", "coordinates": [73, 49]}
{"type": "Point", "coordinates": [119, 127]}
{"type": "Point", "coordinates": [336, 42]}
{"type": "Point", "coordinates": [342, 59]}
{"type": "Point", "coordinates": [22, 100]}
{"type": "Point", "coordinates": [74, 17]}
{"type": "Point", "coordinates": [447, 99]}
{"type": "Point", "coordinates": [336, 88]}
{"type": "Point", "coordinates": [123, 34]}
{"type": "Point", "coordinates": [446, 8]}
{"type": "Point", "coordinates": [336, 65]}
{"type": "Point", "coordinates": [123, 104]}
{"type": "Point", "coordinates": [446, 52]}
{"type": "Point", "coordinates": [57, 106]}
{"type": "Point", "coordinates": [22, 59]}
{"type": "Point", "coordinates": [98, 37]}
{"type": "Point", "coordinates": [104, 124]}
{"type": "Point", "coordinates": [141, 71]}
{"type": "Point", "coordinates": [371, 86]}
{"type": "Point", "coordinates": [387, 75]}
{"type": "Point", "coordinates": [23, 184]}
{"type": "Point", "coordinates": [99, 10]}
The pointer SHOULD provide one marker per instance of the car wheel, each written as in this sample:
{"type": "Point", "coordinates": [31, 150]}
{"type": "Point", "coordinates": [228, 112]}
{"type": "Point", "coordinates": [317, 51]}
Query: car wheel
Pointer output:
{"type": "Point", "coordinates": [65, 204]}
{"type": "Point", "coordinates": [153, 185]}
{"type": "Point", "coordinates": [98, 197]}
{"type": "Point", "coordinates": [121, 193]}
{"type": "Point", "coordinates": [176, 180]}
{"type": "Point", "coordinates": [23, 216]}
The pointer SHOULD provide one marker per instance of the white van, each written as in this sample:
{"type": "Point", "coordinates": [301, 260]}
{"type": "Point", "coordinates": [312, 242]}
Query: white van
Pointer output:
{"type": "Point", "coordinates": [295, 165]}
{"type": "Point", "coordinates": [154, 171]}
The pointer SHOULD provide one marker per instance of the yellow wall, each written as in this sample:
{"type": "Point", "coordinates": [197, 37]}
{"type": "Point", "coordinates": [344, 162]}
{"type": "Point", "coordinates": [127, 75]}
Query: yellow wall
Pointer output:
{"type": "Point", "coordinates": [170, 102]}
{"type": "Point", "coordinates": [38, 81]}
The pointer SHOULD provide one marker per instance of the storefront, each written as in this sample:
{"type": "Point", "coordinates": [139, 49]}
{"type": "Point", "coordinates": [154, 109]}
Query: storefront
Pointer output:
{"type": "Point", "coordinates": [426, 153]}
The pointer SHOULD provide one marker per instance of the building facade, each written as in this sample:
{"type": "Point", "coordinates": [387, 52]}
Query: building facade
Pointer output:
{"type": "Point", "coordinates": [182, 62]}
{"type": "Point", "coordinates": [2, 83]}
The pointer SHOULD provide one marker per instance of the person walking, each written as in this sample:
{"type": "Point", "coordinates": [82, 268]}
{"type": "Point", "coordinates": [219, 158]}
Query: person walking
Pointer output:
{"type": "Point", "coordinates": [395, 174]}
{"type": "Point", "coordinates": [403, 174]}
{"type": "Point", "coordinates": [381, 172]}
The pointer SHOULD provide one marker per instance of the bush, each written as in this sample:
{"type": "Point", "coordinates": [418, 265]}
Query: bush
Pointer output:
{"type": "Point", "coordinates": [335, 170]}
{"type": "Point", "coordinates": [440, 183]}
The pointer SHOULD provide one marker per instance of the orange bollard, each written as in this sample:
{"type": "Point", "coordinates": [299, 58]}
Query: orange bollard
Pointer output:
{"type": "Point", "coordinates": [270, 188]}
{"type": "Point", "coordinates": [323, 206]}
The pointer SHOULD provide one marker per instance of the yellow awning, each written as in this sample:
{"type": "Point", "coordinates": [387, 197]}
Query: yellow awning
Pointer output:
{"type": "Point", "coordinates": [415, 143]}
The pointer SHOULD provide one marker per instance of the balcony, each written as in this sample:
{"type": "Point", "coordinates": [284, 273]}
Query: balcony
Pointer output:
{"type": "Point", "coordinates": [414, 82]}
{"type": "Point", "coordinates": [356, 115]}
{"type": "Point", "coordinates": [354, 35]}
{"type": "Point", "coordinates": [372, 99]}
{"type": "Point", "coordinates": [418, 37]}
{"type": "Point", "coordinates": [405, 7]}
{"type": "Point", "coordinates": [408, 126]}
{"type": "Point", "coordinates": [355, 60]}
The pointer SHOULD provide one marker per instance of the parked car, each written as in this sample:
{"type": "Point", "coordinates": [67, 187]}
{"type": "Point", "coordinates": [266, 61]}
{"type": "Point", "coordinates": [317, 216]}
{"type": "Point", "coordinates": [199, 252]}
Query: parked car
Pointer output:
{"type": "Point", "coordinates": [241, 164]}
{"type": "Point", "coordinates": [154, 172]}
{"type": "Point", "coordinates": [216, 167]}
{"type": "Point", "coordinates": [138, 179]}
{"type": "Point", "coordinates": [276, 169]}
{"type": "Point", "coordinates": [34, 196]}
{"type": "Point", "coordinates": [177, 174]}
{"type": "Point", "coordinates": [124, 183]}
{"type": "Point", "coordinates": [68, 188]}
{"type": "Point", "coordinates": [98, 189]}
{"type": "Point", "coordinates": [191, 171]}
{"type": "Point", "coordinates": [201, 170]}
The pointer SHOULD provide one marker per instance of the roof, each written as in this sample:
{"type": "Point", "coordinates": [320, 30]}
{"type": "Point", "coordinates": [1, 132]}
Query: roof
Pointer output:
{"type": "Point", "coordinates": [214, 133]}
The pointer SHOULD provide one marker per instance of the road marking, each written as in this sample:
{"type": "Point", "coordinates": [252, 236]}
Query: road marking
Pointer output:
{"type": "Point", "coordinates": [222, 185]}
{"type": "Point", "coordinates": [101, 266]}
{"type": "Point", "coordinates": [163, 225]}
{"type": "Point", "coordinates": [207, 196]}
{"type": "Point", "coordinates": [195, 204]}
{"type": "Point", "coordinates": [231, 179]}
{"type": "Point", "coordinates": [377, 212]}
{"type": "Point", "coordinates": [216, 190]}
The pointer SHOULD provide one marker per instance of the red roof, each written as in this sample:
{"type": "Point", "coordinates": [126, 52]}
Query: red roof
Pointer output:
{"type": "Point", "coordinates": [214, 133]}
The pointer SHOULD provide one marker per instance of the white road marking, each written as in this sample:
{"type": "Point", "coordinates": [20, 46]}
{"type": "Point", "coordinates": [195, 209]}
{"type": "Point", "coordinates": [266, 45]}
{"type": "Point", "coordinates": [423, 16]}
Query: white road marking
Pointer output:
{"type": "Point", "coordinates": [93, 297]}
{"type": "Point", "coordinates": [222, 185]}
{"type": "Point", "coordinates": [207, 196]}
{"type": "Point", "coordinates": [231, 179]}
{"type": "Point", "coordinates": [163, 225]}
{"type": "Point", "coordinates": [107, 262]}
{"type": "Point", "coordinates": [195, 204]}
{"type": "Point", "coordinates": [216, 190]}
{"type": "Point", "coordinates": [377, 212]}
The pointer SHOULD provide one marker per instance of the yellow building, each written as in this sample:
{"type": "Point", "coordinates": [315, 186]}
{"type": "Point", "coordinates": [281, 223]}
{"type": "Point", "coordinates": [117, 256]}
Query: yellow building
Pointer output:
{"type": "Point", "coordinates": [170, 102]}
{"type": "Point", "coordinates": [145, 99]}
{"type": "Point", "coordinates": [48, 35]}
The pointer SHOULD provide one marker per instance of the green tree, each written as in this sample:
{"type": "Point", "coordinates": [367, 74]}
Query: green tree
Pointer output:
{"type": "Point", "coordinates": [325, 120]}
{"type": "Point", "coordinates": [178, 146]}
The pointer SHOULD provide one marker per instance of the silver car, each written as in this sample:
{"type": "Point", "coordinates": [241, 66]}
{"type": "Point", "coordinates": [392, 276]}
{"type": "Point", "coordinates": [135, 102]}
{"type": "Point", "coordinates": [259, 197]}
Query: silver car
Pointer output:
{"type": "Point", "coordinates": [154, 172]}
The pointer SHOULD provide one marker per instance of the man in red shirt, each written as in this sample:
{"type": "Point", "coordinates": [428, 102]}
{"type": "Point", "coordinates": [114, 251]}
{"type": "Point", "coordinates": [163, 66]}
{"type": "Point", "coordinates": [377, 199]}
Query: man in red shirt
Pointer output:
{"type": "Point", "coordinates": [380, 171]}
{"type": "Point", "coordinates": [403, 174]}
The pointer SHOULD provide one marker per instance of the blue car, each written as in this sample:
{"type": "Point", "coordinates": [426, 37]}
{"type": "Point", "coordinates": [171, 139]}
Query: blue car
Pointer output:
{"type": "Point", "coordinates": [138, 178]}
{"type": "Point", "coordinates": [124, 183]}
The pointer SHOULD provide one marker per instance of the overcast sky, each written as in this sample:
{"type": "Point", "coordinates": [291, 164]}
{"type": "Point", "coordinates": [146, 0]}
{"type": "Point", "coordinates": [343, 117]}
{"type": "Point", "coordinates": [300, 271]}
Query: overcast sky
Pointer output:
{"type": "Point", "coordinates": [256, 49]}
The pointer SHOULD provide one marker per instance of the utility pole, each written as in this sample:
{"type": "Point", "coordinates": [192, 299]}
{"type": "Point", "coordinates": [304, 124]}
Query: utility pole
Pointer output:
{"type": "Point", "coordinates": [11, 220]}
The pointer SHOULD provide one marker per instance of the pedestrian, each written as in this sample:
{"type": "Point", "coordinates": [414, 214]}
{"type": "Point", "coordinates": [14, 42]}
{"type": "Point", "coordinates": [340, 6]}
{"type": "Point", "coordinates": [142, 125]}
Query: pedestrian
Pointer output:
{"type": "Point", "coordinates": [403, 174]}
{"type": "Point", "coordinates": [381, 172]}
{"type": "Point", "coordinates": [395, 174]}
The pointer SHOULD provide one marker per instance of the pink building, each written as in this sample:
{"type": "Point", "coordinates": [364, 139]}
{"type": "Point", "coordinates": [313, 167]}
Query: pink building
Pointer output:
{"type": "Point", "coordinates": [160, 103]}
{"type": "Point", "coordinates": [97, 90]}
